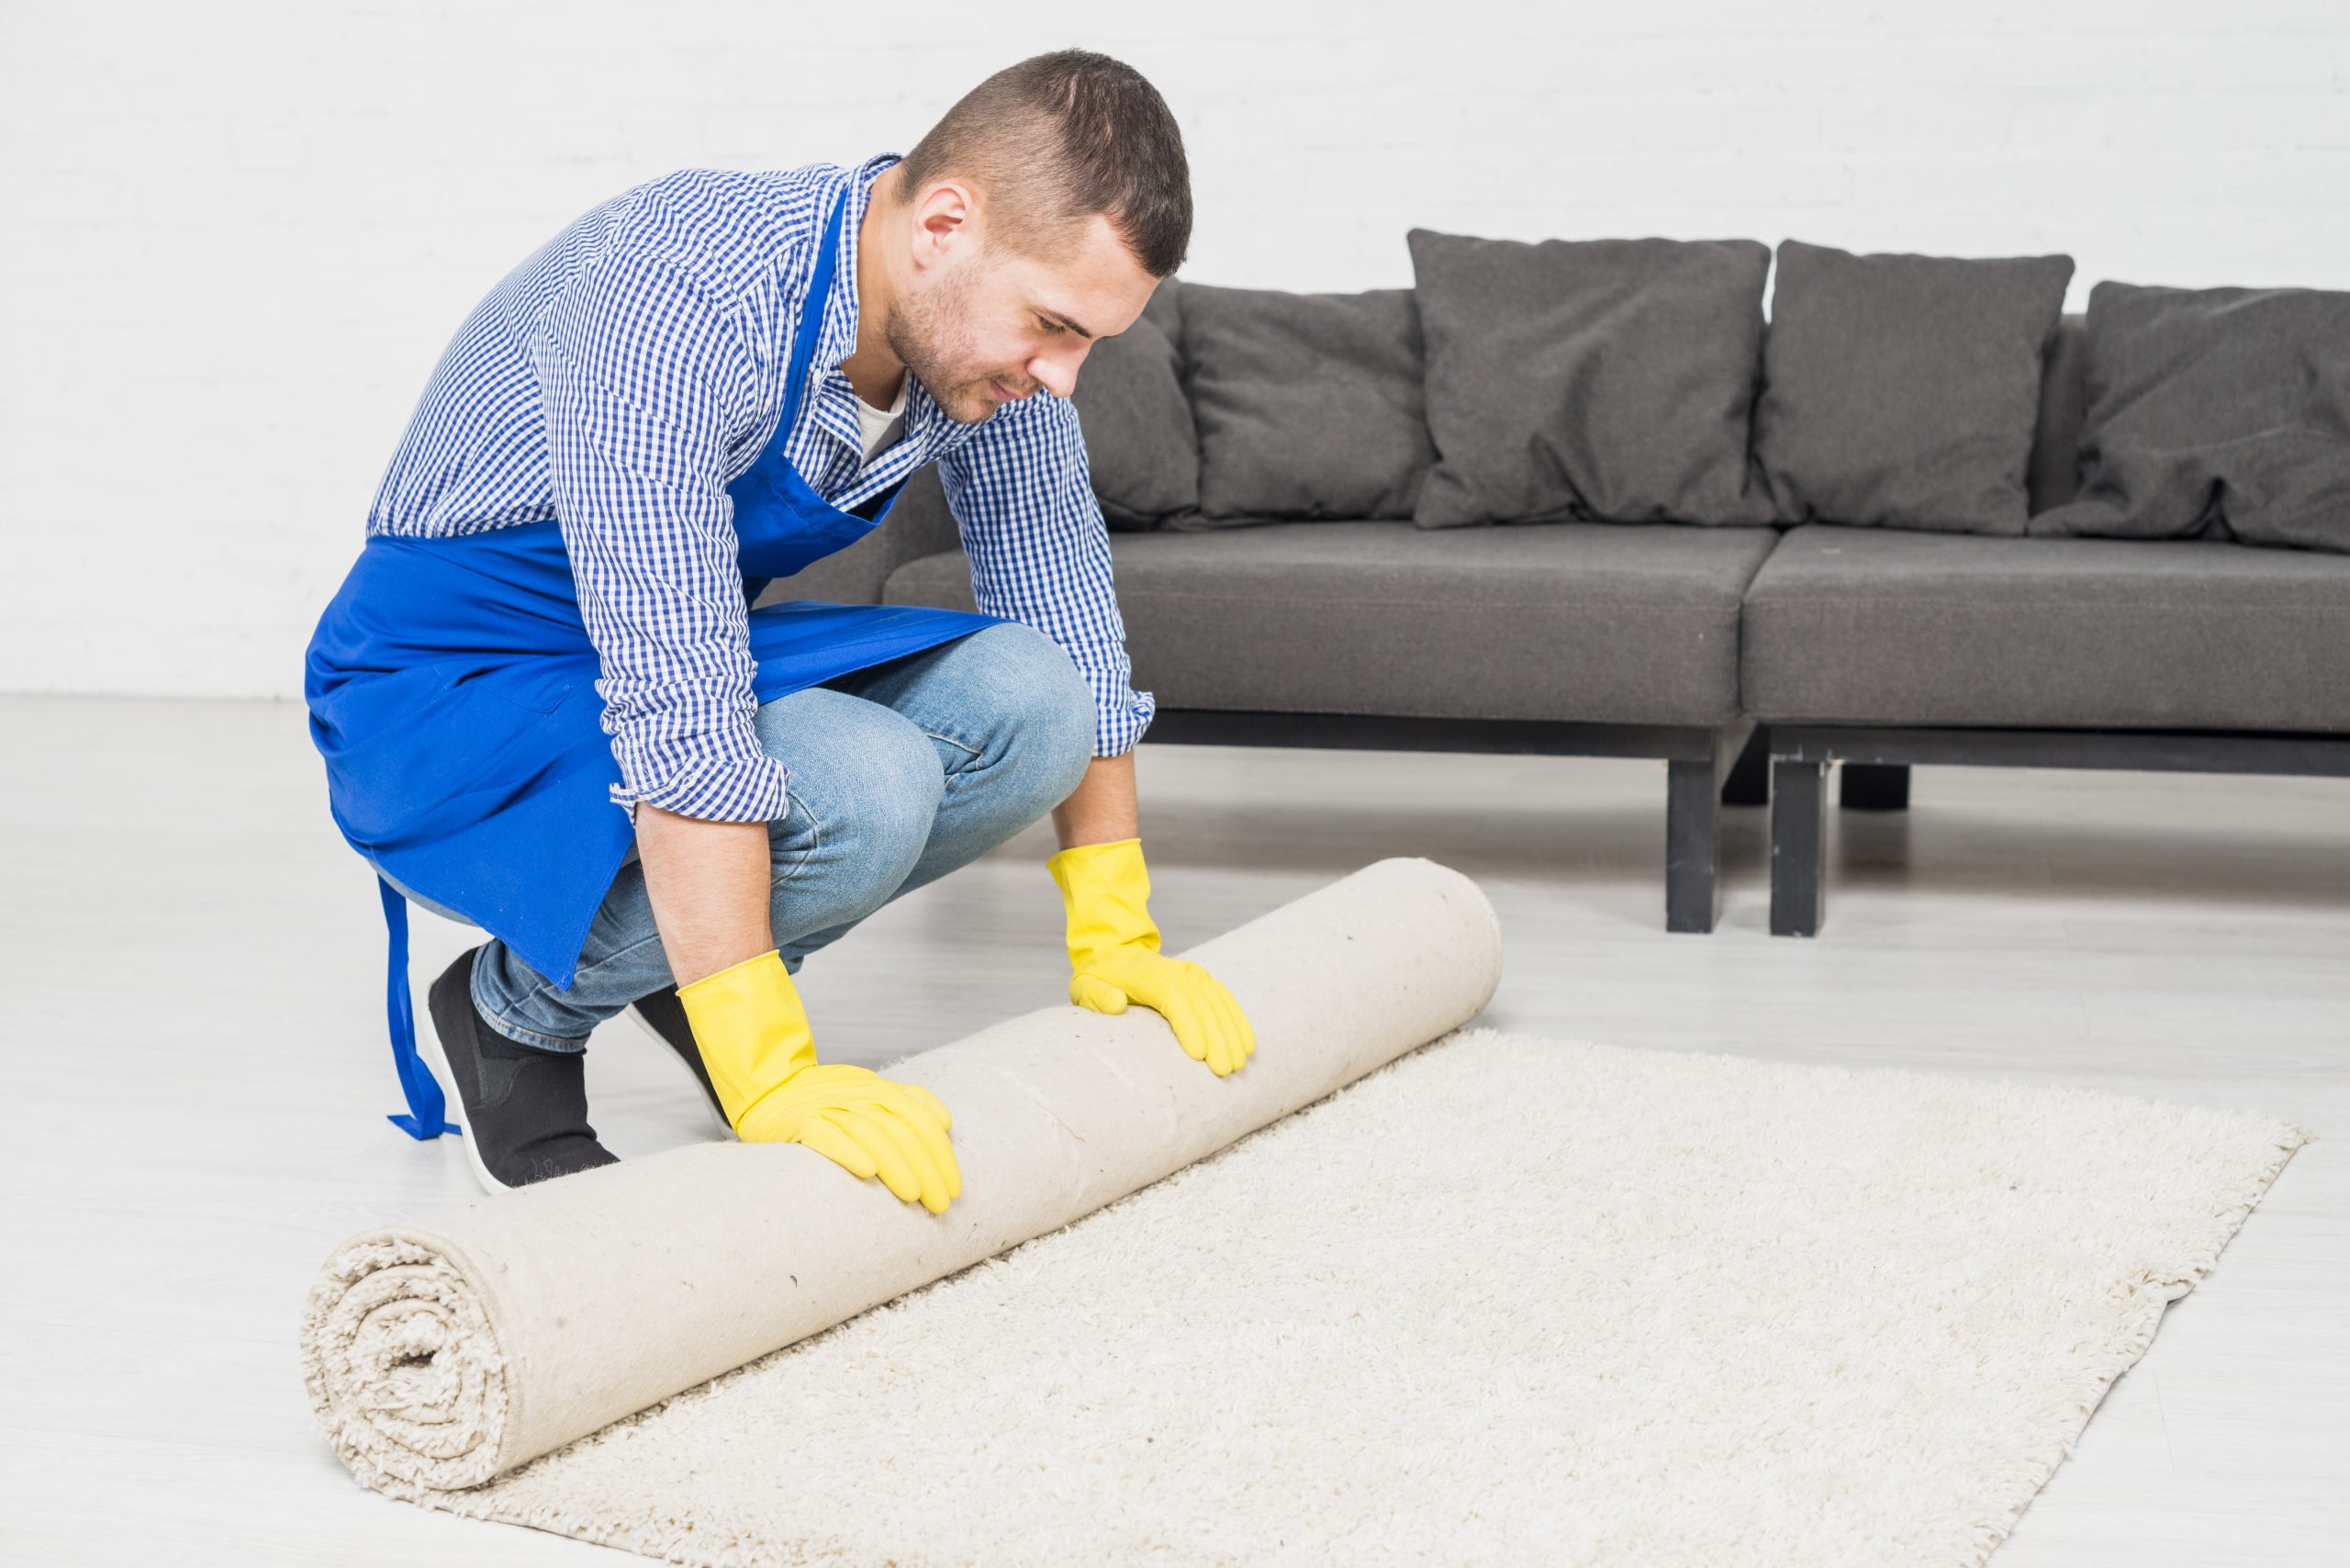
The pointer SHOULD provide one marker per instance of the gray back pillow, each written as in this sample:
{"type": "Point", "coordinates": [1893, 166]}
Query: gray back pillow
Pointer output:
{"type": "Point", "coordinates": [1902, 390]}
{"type": "Point", "coordinates": [2215, 413]}
{"type": "Point", "coordinates": [1607, 380]}
{"type": "Point", "coordinates": [1308, 405]}
{"type": "Point", "coordinates": [1139, 441]}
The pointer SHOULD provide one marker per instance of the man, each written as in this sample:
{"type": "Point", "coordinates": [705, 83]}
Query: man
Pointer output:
{"type": "Point", "coordinates": [546, 707]}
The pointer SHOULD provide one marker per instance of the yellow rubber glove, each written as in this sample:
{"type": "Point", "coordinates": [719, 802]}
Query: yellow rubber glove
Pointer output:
{"type": "Point", "coordinates": [756, 1042]}
{"type": "Point", "coordinates": [1114, 954]}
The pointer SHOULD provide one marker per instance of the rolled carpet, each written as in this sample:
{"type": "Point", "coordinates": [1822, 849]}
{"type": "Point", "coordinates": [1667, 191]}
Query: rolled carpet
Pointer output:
{"type": "Point", "coordinates": [440, 1354]}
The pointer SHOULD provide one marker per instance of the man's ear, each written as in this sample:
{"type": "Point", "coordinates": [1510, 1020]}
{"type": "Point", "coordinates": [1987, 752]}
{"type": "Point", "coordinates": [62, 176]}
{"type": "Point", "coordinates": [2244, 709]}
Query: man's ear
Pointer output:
{"type": "Point", "coordinates": [944, 219]}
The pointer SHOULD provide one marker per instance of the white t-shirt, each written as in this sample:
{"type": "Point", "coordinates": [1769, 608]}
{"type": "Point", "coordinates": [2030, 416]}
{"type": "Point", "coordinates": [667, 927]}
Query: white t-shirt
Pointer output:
{"type": "Point", "coordinates": [876, 426]}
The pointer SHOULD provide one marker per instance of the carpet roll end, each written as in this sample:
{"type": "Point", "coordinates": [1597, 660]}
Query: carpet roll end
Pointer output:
{"type": "Point", "coordinates": [404, 1368]}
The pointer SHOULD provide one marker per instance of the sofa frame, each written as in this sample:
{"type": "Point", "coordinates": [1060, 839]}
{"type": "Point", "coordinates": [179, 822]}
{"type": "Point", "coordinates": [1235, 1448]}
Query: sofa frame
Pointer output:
{"type": "Point", "coordinates": [1878, 758]}
{"type": "Point", "coordinates": [1700, 764]}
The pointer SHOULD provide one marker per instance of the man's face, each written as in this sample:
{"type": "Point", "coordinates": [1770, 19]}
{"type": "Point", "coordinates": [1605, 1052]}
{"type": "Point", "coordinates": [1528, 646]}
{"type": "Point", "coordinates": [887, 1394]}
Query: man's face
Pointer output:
{"type": "Point", "coordinates": [981, 325]}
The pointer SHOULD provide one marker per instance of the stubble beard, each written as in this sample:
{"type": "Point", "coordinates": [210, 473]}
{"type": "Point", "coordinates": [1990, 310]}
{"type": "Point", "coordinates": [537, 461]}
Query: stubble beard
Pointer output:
{"type": "Point", "coordinates": [928, 334]}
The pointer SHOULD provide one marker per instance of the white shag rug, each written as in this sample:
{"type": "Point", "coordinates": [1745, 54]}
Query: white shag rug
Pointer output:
{"type": "Point", "coordinates": [1508, 1300]}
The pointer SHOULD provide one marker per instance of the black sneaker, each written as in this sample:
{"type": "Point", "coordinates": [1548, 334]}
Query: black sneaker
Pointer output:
{"type": "Point", "coordinates": [524, 1110]}
{"type": "Point", "coordinates": [663, 1016]}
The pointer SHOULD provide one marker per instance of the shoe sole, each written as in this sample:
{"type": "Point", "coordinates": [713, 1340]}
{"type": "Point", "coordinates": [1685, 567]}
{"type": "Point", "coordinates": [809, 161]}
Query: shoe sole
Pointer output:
{"type": "Point", "coordinates": [669, 1052]}
{"type": "Point", "coordinates": [428, 1047]}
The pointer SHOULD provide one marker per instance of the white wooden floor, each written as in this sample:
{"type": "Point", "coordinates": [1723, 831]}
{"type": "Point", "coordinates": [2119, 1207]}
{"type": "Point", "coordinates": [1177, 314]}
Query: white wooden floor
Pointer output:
{"type": "Point", "coordinates": [197, 1075]}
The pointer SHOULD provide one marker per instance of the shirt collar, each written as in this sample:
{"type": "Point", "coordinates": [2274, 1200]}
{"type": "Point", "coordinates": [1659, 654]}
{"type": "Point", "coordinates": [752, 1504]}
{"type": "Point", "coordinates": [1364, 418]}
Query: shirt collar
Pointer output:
{"type": "Point", "coordinates": [832, 402]}
{"type": "Point", "coordinates": [837, 339]}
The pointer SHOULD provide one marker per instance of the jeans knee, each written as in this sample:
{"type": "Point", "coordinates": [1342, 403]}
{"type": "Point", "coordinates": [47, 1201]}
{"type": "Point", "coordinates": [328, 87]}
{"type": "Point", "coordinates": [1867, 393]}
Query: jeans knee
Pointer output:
{"type": "Point", "coordinates": [1075, 720]}
{"type": "Point", "coordinates": [1054, 713]}
{"type": "Point", "coordinates": [872, 822]}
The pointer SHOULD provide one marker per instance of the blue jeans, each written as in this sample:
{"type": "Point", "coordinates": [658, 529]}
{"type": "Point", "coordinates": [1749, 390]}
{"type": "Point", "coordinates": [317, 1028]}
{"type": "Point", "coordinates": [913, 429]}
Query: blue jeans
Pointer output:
{"type": "Point", "coordinates": [901, 772]}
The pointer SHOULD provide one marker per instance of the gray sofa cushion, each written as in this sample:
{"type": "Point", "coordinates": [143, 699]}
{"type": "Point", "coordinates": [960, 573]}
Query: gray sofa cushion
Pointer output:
{"type": "Point", "coordinates": [1596, 379]}
{"type": "Point", "coordinates": [1881, 626]}
{"type": "Point", "coordinates": [1308, 405]}
{"type": "Point", "coordinates": [1587, 621]}
{"type": "Point", "coordinates": [2215, 413]}
{"type": "Point", "coordinates": [1902, 390]}
{"type": "Point", "coordinates": [1139, 441]}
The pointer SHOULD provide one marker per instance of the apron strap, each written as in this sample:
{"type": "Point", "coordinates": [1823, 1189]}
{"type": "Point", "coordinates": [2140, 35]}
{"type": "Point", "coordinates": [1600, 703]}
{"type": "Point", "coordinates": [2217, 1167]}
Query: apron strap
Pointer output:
{"type": "Point", "coordinates": [427, 1116]}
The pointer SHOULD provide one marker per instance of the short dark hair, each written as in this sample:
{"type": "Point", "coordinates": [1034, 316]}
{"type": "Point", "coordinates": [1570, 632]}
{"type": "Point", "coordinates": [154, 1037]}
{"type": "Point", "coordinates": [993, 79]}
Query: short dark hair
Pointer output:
{"type": "Point", "coordinates": [1058, 137]}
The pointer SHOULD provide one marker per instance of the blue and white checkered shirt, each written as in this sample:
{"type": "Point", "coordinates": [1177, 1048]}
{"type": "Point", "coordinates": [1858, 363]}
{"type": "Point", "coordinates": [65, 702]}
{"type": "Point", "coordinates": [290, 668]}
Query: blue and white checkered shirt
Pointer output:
{"type": "Point", "coordinates": [628, 370]}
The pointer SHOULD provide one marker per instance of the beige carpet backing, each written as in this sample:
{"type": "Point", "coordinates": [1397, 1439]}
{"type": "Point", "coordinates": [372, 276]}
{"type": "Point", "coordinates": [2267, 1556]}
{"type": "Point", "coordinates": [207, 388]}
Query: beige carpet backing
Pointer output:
{"type": "Point", "coordinates": [1506, 1300]}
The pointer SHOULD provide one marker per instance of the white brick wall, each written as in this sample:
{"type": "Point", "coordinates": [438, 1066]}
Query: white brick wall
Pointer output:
{"type": "Point", "coordinates": [236, 235]}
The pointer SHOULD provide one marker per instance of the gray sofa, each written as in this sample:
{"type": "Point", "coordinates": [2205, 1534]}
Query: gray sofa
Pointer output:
{"type": "Point", "coordinates": [1748, 659]}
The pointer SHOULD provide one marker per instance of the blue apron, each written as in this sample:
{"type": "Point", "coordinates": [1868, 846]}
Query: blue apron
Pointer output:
{"type": "Point", "coordinates": [451, 686]}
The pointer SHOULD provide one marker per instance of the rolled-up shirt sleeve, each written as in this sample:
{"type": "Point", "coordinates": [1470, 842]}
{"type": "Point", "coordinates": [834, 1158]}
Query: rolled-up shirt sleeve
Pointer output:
{"type": "Point", "coordinates": [644, 382]}
{"type": "Point", "coordinates": [1022, 500]}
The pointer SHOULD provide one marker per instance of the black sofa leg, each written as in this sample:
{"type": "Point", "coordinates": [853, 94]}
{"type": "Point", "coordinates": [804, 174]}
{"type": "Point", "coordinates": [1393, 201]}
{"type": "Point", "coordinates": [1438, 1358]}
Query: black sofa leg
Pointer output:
{"type": "Point", "coordinates": [1798, 847]}
{"type": "Point", "coordinates": [1691, 892]}
{"type": "Point", "coordinates": [1874, 787]}
{"type": "Point", "coordinates": [1749, 777]}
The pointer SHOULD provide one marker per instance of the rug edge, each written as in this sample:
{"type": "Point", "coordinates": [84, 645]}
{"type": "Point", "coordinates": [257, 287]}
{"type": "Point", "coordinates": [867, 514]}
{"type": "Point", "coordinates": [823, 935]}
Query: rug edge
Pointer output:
{"type": "Point", "coordinates": [2136, 1336]}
